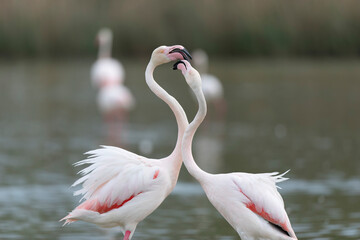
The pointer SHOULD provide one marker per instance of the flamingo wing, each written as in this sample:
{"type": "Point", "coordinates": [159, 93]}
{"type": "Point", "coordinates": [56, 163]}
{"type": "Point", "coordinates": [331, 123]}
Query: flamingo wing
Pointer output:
{"type": "Point", "coordinates": [114, 177]}
{"type": "Point", "coordinates": [259, 194]}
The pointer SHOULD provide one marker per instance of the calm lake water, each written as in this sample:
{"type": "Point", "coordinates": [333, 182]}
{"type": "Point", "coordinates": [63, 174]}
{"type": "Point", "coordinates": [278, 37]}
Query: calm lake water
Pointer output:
{"type": "Point", "coordinates": [297, 115]}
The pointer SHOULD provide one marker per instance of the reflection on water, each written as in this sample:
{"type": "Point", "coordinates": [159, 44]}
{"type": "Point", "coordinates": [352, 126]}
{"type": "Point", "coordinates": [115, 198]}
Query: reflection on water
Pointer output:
{"type": "Point", "coordinates": [297, 115]}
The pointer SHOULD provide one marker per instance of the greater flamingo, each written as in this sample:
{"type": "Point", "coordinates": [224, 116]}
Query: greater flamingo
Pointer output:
{"type": "Point", "coordinates": [121, 188]}
{"type": "Point", "coordinates": [249, 202]}
{"type": "Point", "coordinates": [106, 70]}
{"type": "Point", "coordinates": [211, 85]}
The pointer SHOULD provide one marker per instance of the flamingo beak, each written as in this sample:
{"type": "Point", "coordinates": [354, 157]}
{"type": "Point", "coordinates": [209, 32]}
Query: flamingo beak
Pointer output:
{"type": "Point", "coordinates": [175, 67]}
{"type": "Point", "coordinates": [186, 55]}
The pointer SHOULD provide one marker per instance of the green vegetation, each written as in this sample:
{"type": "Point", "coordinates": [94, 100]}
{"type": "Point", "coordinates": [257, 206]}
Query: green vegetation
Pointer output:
{"type": "Point", "coordinates": [222, 27]}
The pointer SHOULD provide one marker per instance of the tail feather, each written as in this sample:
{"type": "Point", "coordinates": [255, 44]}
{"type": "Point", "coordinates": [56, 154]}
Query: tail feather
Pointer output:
{"type": "Point", "coordinates": [68, 219]}
{"type": "Point", "coordinates": [280, 178]}
{"type": "Point", "coordinates": [80, 214]}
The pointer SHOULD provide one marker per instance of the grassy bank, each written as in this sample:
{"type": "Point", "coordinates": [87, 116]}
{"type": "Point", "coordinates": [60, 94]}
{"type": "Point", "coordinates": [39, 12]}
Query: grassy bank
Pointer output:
{"type": "Point", "coordinates": [222, 27]}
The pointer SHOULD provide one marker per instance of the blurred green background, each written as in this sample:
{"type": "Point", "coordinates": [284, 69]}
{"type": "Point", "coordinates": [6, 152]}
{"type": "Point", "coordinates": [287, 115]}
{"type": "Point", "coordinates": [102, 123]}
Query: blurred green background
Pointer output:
{"type": "Point", "coordinates": [271, 28]}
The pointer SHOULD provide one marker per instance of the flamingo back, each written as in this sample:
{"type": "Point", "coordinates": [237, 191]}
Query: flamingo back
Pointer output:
{"type": "Point", "coordinates": [260, 195]}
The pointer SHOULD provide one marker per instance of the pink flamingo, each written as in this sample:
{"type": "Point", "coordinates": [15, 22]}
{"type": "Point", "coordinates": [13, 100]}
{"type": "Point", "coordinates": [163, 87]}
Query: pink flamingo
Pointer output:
{"type": "Point", "coordinates": [106, 70]}
{"type": "Point", "coordinates": [249, 202]}
{"type": "Point", "coordinates": [121, 188]}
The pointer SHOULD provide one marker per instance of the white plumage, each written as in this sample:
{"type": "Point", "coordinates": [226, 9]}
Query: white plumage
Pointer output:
{"type": "Point", "coordinates": [116, 176]}
{"type": "Point", "coordinates": [250, 203]}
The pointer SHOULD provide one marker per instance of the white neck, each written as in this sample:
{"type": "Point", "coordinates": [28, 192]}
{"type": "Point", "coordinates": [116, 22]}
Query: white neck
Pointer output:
{"type": "Point", "coordinates": [105, 49]}
{"type": "Point", "coordinates": [174, 161]}
{"type": "Point", "coordinates": [188, 158]}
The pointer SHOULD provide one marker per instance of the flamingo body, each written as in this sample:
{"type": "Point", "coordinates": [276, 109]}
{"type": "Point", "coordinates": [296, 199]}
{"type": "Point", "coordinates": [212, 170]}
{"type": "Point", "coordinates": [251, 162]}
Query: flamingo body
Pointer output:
{"type": "Point", "coordinates": [107, 71]}
{"type": "Point", "coordinates": [249, 202]}
{"type": "Point", "coordinates": [121, 188]}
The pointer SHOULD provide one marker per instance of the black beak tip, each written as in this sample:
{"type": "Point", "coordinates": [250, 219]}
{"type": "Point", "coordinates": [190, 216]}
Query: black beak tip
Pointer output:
{"type": "Point", "coordinates": [185, 54]}
{"type": "Point", "coordinates": [175, 66]}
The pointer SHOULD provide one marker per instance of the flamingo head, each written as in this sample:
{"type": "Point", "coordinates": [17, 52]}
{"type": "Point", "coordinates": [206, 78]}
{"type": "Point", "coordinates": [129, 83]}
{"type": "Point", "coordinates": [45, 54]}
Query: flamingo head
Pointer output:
{"type": "Point", "coordinates": [165, 54]}
{"type": "Point", "coordinates": [104, 36]}
{"type": "Point", "coordinates": [191, 75]}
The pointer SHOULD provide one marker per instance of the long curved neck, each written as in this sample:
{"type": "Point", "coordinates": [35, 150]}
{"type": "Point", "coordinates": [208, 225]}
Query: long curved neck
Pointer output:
{"type": "Point", "coordinates": [174, 161]}
{"type": "Point", "coordinates": [188, 158]}
{"type": "Point", "coordinates": [105, 49]}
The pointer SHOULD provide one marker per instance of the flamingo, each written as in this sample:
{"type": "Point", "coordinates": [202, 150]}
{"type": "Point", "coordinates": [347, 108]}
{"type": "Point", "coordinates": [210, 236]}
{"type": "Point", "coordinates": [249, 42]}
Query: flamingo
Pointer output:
{"type": "Point", "coordinates": [211, 85]}
{"type": "Point", "coordinates": [249, 202]}
{"type": "Point", "coordinates": [121, 188]}
{"type": "Point", "coordinates": [106, 70]}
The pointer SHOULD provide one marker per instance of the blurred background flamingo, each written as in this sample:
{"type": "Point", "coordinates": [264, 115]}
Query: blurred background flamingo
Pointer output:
{"type": "Point", "coordinates": [212, 87]}
{"type": "Point", "coordinates": [114, 99]}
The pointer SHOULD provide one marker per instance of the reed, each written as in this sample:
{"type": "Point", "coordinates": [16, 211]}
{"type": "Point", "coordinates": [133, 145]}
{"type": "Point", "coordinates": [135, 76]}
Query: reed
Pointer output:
{"type": "Point", "coordinates": [222, 27]}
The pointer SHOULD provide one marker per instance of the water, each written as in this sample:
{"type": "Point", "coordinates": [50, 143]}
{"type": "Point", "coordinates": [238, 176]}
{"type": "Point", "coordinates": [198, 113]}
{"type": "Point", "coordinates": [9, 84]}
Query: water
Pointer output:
{"type": "Point", "coordinates": [282, 115]}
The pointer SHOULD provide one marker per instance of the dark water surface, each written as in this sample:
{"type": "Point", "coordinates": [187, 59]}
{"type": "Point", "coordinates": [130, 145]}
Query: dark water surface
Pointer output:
{"type": "Point", "coordinates": [297, 115]}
